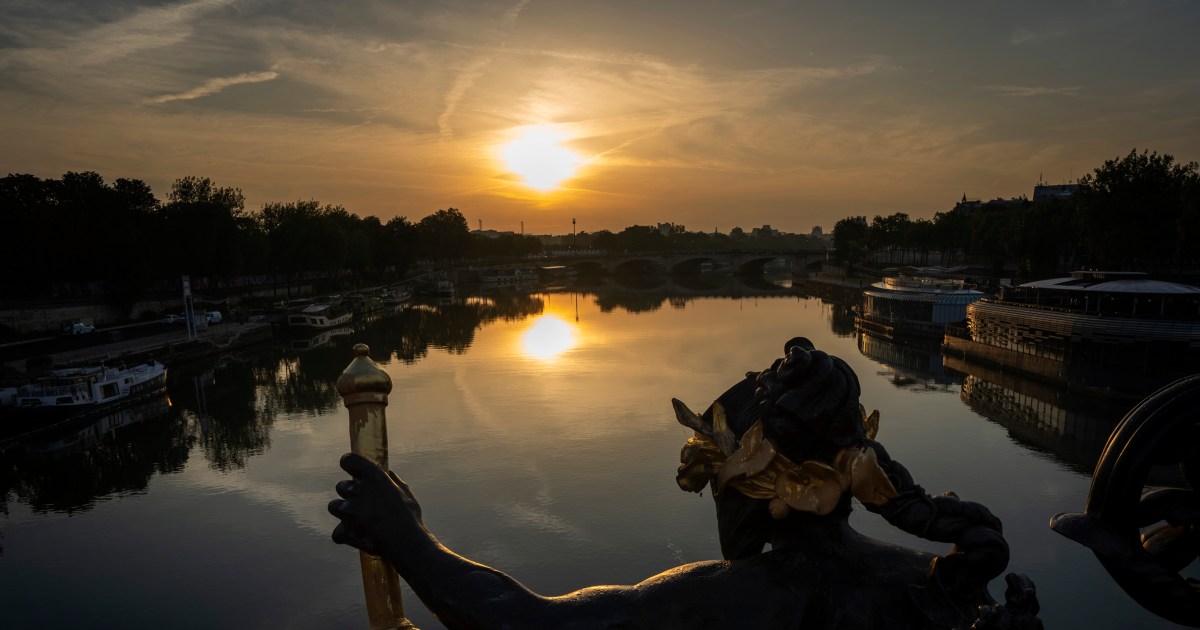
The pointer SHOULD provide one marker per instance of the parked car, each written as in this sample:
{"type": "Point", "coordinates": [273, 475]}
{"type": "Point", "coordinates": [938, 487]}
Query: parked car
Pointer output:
{"type": "Point", "coordinates": [78, 328]}
{"type": "Point", "coordinates": [212, 317]}
{"type": "Point", "coordinates": [174, 318]}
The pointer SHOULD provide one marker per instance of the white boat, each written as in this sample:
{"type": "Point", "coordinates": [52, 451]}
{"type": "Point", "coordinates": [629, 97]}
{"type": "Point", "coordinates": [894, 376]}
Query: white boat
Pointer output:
{"type": "Point", "coordinates": [320, 316]}
{"type": "Point", "coordinates": [85, 389]}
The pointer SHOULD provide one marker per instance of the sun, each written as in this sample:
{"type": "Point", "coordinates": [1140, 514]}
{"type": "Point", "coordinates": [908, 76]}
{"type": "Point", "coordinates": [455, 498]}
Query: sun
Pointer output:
{"type": "Point", "coordinates": [539, 158]}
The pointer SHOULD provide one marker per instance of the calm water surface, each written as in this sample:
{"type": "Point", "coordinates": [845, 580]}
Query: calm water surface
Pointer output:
{"type": "Point", "coordinates": [537, 432]}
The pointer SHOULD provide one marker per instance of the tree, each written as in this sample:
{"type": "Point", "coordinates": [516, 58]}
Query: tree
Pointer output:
{"type": "Point", "coordinates": [850, 240]}
{"type": "Point", "coordinates": [1132, 208]}
{"type": "Point", "coordinates": [444, 235]}
{"type": "Point", "coordinates": [203, 228]}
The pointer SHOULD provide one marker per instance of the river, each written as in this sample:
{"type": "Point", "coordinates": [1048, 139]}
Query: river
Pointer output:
{"type": "Point", "coordinates": [538, 434]}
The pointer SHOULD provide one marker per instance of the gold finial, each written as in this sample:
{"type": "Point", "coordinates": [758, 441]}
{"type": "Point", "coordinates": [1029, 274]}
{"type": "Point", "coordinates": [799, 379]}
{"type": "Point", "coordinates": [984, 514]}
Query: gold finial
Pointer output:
{"type": "Point", "coordinates": [363, 380]}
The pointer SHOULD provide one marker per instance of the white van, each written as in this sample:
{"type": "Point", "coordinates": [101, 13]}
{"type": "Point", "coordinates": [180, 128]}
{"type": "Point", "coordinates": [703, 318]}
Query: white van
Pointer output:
{"type": "Point", "coordinates": [212, 317]}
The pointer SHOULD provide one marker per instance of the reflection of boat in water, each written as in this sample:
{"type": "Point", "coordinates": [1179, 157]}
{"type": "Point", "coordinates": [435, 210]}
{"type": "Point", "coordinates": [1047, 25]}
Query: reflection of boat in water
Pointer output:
{"type": "Point", "coordinates": [1071, 427]}
{"type": "Point", "coordinates": [84, 390]}
{"type": "Point", "coordinates": [320, 339]}
{"type": "Point", "coordinates": [319, 316]}
{"type": "Point", "coordinates": [915, 305]}
{"type": "Point", "coordinates": [76, 436]}
{"type": "Point", "coordinates": [911, 366]}
{"type": "Point", "coordinates": [1095, 330]}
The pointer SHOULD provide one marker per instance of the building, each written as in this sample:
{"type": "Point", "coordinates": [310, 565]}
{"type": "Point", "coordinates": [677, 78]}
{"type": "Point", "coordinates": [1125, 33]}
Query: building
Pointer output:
{"type": "Point", "coordinates": [1048, 192]}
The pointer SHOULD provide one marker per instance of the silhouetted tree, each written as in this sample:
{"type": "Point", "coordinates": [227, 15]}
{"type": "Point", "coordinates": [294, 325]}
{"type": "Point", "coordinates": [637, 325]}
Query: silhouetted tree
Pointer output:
{"type": "Point", "coordinates": [1132, 209]}
{"type": "Point", "coordinates": [444, 235]}
{"type": "Point", "coordinates": [850, 240]}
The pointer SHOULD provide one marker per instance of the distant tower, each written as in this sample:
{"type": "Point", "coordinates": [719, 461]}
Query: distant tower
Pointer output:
{"type": "Point", "coordinates": [481, 225]}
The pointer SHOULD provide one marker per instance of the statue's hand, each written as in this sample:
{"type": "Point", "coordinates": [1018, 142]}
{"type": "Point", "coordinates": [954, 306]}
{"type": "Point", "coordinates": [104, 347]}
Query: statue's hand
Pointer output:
{"type": "Point", "coordinates": [378, 511]}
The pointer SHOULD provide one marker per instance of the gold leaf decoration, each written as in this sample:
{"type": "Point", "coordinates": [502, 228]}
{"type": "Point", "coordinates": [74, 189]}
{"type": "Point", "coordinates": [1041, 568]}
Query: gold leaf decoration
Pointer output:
{"type": "Point", "coordinates": [811, 487]}
{"type": "Point", "coordinates": [751, 458]}
{"type": "Point", "coordinates": [721, 433]}
{"type": "Point", "coordinates": [868, 482]}
{"type": "Point", "coordinates": [689, 419]}
{"type": "Point", "coordinates": [871, 424]}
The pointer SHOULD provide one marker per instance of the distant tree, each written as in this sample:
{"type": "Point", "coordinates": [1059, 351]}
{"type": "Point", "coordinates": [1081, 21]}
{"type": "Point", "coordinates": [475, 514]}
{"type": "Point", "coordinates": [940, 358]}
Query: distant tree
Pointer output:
{"type": "Point", "coordinates": [920, 238]}
{"type": "Point", "coordinates": [1133, 207]}
{"type": "Point", "coordinates": [850, 240]}
{"type": "Point", "coordinates": [26, 251]}
{"type": "Point", "coordinates": [444, 235]}
{"type": "Point", "coordinates": [401, 245]}
{"type": "Point", "coordinates": [951, 232]}
{"type": "Point", "coordinates": [203, 225]}
{"type": "Point", "coordinates": [640, 238]}
{"type": "Point", "coordinates": [888, 233]}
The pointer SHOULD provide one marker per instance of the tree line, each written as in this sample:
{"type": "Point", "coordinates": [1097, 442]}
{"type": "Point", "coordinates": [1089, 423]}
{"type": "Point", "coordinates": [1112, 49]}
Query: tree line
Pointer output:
{"type": "Point", "coordinates": [79, 234]}
{"type": "Point", "coordinates": [80, 230]}
{"type": "Point", "coordinates": [1138, 212]}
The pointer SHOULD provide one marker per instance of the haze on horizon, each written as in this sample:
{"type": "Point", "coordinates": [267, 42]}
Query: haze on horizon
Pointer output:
{"type": "Point", "coordinates": [709, 114]}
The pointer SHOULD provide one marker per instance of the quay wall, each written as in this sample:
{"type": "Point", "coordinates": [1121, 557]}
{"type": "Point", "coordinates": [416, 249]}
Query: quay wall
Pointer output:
{"type": "Point", "coordinates": [837, 291]}
{"type": "Point", "coordinates": [48, 317]}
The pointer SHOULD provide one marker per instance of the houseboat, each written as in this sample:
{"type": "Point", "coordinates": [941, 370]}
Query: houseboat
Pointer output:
{"type": "Point", "coordinates": [319, 317]}
{"type": "Point", "coordinates": [397, 295]}
{"type": "Point", "coordinates": [84, 390]}
{"type": "Point", "coordinates": [917, 302]}
{"type": "Point", "coordinates": [496, 278]}
{"type": "Point", "coordinates": [1107, 332]}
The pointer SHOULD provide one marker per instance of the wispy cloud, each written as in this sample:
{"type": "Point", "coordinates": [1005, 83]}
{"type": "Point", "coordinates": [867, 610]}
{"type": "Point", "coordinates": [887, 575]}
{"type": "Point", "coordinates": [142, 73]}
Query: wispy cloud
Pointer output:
{"type": "Point", "coordinates": [147, 29]}
{"type": "Point", "coordinates": [1029, 90]}
{"type": "Point", "coordinates": [212, 86]}
{"type": "Point", "coordinates": [471, 73]}
{"type": "Point", "coordinates": [1021, 36]}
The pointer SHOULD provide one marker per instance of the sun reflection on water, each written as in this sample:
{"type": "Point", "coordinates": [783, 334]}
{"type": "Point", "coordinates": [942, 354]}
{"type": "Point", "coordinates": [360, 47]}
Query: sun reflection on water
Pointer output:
{"type": "Point", "coordinates": [548, 337]}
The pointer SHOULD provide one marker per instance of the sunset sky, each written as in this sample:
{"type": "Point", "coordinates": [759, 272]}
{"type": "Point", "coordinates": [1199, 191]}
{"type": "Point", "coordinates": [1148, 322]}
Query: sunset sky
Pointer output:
{"type": "Point", "coordinates": [705, 113]}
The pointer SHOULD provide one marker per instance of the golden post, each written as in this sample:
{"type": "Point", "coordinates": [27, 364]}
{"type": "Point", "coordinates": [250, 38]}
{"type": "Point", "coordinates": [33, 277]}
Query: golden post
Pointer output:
{"type": "Point", "coordinates": [364, 388]}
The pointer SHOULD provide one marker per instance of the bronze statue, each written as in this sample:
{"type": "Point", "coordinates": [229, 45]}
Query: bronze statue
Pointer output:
{"type": "Point", "coordinates": [1144, 537]}
{"type": "Point", "coordinates": [783, 451]}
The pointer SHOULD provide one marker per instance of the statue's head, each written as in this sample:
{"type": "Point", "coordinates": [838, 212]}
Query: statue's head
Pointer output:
{"type": "Point", "coordinates": [787, 442]}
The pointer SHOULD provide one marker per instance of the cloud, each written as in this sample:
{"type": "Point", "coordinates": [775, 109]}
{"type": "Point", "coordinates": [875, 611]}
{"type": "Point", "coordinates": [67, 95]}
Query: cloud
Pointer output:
{"type": "Point", "coordinates": [212, 86]}
{"type": "Point", "coordinates": [1021, 36]}
{"type": "Point", "coordinates": [1025, 90]}
{"type": "Point", "coordinates": [471, 73]}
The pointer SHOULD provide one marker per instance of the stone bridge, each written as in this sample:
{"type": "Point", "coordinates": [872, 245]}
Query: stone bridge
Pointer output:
{"type": "Point", "coordinates": [683, 263]}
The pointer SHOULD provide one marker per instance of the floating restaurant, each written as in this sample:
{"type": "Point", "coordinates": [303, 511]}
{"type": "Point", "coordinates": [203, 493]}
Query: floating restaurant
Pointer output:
{"type": "Point", "coordinates": [916, 301]}
{"type": "Point", "coordinates": [1118, 331]}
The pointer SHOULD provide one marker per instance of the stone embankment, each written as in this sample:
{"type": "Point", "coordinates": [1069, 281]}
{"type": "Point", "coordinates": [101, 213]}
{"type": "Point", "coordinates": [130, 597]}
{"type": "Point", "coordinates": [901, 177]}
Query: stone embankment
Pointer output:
{"type": "Point", "coordinates": [172, 348]}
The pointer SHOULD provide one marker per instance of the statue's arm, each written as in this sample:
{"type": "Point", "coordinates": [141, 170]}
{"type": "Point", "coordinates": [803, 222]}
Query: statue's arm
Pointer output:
{"type": "Point", "coordinates": [380, 515]}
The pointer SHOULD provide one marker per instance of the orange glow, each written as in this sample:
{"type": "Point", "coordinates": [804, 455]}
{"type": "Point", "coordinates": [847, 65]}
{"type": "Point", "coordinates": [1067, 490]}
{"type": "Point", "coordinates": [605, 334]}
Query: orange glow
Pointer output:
{"type": "Point", "coordinates": [539, 158]}
{"type": "Point", "coordinates": [548, 337]}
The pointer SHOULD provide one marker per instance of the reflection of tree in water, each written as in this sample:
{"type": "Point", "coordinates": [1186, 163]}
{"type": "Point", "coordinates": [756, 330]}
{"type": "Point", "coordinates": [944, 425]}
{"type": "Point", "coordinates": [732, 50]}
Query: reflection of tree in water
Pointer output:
{"type": "Point", "coordinates": [841, 320]}
{"type": "Point", "coordinates": [235, 422]}
{"type": "Point", "coordinates": [409, 335]}
{"type": "Point", "coordinates": [610, 298]}
{"type": "Point", "coordinates": [305, 382]}
{"type": "Point", "coordinates": [57, 471]}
